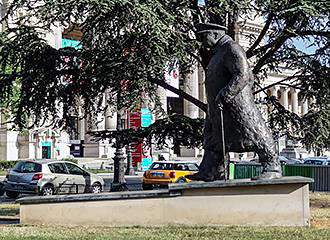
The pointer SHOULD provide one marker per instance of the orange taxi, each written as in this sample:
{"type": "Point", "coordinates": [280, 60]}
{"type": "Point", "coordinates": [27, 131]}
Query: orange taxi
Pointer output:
{"type": "Point", "coordinates": [161, 173]}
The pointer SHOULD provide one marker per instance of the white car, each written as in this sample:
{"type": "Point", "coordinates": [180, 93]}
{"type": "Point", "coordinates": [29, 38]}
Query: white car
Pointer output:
{"type": "Point", "coordinates": [48, 177]}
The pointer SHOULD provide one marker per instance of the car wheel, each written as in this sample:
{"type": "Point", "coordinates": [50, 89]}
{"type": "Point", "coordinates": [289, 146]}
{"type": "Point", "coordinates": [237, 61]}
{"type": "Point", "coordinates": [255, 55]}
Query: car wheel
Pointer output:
{"type": "Point", "coordinates": [12, 194]}
{"type": "Point", "coordinates": [96, 188]}
{"type": "Point", "coordinates": [147, 186]}
{"type": "Point", "coordinates": [181, 180]}
{"type": "Point", "coordinates": [47, 190]}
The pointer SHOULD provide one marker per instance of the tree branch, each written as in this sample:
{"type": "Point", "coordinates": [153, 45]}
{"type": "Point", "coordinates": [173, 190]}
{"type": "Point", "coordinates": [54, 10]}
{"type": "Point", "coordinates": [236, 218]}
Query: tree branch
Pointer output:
{"type": "Point", "coordinates": [264, 59]}
{"type": "Point", "coordinates": [261, 36]}
{"type": "Point", "coordinates": [262, 89]}
{"type": "Point", "coordinates": [312, 33]}
{"type": "Point", "coordinates": [293, 58]}
{"type": "Point", "coordinates": [181, 93]}
{"type": "Point", "coordinates": [286, 35]}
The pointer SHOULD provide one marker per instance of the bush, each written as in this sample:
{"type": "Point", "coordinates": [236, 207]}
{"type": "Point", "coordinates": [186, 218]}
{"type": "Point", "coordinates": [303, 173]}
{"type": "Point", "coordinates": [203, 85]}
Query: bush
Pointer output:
{"type": "Point", "coordinates": [7, 164]}
{"type": "Point", "coordinates": [71, 160]}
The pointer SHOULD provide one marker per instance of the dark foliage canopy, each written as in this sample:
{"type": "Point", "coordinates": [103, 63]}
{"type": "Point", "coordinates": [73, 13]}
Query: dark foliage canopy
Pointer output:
{"type": "Point", "coordinates": [127, 44]}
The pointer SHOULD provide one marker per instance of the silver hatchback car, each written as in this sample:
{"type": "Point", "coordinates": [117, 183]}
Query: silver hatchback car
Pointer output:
{"type": "Point", "coordinates": [48, 177]}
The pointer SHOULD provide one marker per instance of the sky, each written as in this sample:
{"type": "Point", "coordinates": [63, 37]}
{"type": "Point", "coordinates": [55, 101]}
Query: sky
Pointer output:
{"type": "Point", "coordinates": [201, 2]}
{"type": "Point", "coordinates": [304, 45]}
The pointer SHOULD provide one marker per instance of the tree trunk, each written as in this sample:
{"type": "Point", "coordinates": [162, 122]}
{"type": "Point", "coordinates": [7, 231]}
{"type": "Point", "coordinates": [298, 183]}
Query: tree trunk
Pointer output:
{"type": "Point", "coordinates": [232, 24]}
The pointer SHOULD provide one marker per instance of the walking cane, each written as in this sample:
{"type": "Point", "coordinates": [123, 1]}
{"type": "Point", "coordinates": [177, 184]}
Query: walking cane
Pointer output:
{"type": "Point", "coordinates": [223, 141]}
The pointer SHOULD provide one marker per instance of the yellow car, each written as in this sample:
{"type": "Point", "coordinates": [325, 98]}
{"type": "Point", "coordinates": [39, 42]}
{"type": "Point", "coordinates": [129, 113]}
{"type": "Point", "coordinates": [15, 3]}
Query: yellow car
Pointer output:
{"type": "Point", "coordinates": [161, 173]}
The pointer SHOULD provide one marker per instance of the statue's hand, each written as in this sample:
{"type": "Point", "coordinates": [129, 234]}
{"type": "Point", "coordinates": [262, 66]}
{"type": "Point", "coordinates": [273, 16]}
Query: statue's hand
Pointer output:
{"type": "Point", "coordinates": [218, 101]}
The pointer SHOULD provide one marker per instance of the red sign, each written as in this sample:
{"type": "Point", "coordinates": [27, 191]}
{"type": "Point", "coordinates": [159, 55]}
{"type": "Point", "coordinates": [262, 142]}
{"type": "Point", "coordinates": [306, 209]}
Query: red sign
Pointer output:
{"type": "Point", "coordinates": [135, 122]}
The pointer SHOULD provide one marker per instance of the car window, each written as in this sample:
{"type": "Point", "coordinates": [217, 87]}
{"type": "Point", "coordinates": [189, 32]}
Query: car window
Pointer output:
{"type": "Point", "coordinates": [73, 169]}
{"type": "Point", "coordinates": [162, 166]}
{"type": "Point", "coordinates": [192, 167]}
{"type": "Point", "coordinates": [282, 158]}
{"type": "Point", "coordinates": [27, 167]}
{"type": "Point", "coordinates": [316, 162]}
{"type": "Point", "coordinates": [57, 168]}
{"type": "Point", "coordinates": [180, 167]}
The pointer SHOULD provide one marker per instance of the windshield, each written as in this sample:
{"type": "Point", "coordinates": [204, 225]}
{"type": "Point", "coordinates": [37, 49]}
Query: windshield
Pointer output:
{"type": "Point", "coordinates": [27, 167]}
{"type": "Point", "coordinates": [174, 166]}
{"type": "Point", "coordinates": [162, 166]}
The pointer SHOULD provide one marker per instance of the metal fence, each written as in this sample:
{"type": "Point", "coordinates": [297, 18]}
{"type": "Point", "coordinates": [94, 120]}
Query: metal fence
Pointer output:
{"type": "Point", "coordinates": [320, 174]}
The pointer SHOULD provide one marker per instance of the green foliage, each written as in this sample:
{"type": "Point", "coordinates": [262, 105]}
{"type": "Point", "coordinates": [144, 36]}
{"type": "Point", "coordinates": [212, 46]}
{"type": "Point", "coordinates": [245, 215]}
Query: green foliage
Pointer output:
{"type": "Point", "coordinates": [5, 164]}
{"type": "Point", "coordinates": [123, 40]}
{"type": "Point", "coordinates": [127, 44]}
{"type": "Point", "coordinates": [183, 130]}
{"type": "Point", "coordinates": [316, 130]}
{"type": "Point", "coordinates": [71, 160]}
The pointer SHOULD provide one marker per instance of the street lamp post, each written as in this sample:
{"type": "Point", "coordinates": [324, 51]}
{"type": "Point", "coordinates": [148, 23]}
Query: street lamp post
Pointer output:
{"type": "Point", "coordinates": [119, 183]}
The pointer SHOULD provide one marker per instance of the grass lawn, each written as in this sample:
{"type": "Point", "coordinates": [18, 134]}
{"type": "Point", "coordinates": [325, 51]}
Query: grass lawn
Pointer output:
{"type": "Point", "coordinates": [320, 229]}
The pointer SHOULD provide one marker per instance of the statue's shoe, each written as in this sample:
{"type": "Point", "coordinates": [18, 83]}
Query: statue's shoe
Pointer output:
{"type": "Point", "coordinates": [268, 175]}
{"type": "Point", "coordinates": [200, 177]}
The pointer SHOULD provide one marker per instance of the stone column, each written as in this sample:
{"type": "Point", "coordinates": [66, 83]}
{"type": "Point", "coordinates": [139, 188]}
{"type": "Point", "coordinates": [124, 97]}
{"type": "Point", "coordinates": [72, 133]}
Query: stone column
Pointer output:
{"type": "Point", "coordinates": [304, 107]}
{"type": "Point", "coordinates": [274, 91]}
{"type": "Point", "coordinates": [163, 98]}
{"type": "Point", "coordinates": [294, 100]}
{"type": "Point", "coordinates": [88, 128]}
{"type": "Point", "coordinates": [110, 118]}
{"type": "Point", "coordinates": [3, 11]}
{"type": "Point", "coordinates": [284, 97]}
{"type": "Point", "coordinates": [192, 88]}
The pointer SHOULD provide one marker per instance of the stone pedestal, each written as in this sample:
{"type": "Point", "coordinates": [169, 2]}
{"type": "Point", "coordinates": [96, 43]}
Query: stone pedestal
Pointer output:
{"type": "Point", "coordinates": [293, 152]}
{"type": "Point", "coordinates": [278, 202]}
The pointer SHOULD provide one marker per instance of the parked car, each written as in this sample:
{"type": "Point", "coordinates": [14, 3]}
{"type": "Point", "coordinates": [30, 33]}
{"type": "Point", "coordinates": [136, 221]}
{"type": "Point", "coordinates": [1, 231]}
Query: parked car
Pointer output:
{"type": "Point", "coordinates": [285, 160]}
{"type": "Point", "coordinates": [161, 173]}
{"type": "Point", "coordinates": [325, 161]}
{"type": "Point", "coordinates": [48, 177]}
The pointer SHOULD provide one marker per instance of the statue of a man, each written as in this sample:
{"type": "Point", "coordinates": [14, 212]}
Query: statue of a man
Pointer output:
{"type": "Point", "coordinates": [228, 84]}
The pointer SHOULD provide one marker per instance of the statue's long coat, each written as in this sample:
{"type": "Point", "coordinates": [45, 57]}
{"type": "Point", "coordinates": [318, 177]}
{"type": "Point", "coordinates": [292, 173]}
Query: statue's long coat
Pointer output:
{"type": "Point", "coordinates": [244, 127]}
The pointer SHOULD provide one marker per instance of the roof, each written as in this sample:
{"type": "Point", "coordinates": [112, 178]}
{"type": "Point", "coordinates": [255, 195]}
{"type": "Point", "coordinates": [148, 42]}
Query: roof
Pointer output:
{"type": "Point", "coordinates": [44, 161]}
{"type": "Point", "coordinates": [174, 162]}
{"type": "Point", "coordinates": [323, 158]}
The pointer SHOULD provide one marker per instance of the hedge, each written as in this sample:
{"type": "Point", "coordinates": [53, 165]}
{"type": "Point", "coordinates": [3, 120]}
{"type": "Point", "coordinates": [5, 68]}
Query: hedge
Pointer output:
{"type": "Point", "coordinates": [7, 164]}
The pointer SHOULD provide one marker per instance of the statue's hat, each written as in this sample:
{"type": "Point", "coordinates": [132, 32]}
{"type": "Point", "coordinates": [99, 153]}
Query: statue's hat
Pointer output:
{"type": "Point", "coordinates": [208, 27]}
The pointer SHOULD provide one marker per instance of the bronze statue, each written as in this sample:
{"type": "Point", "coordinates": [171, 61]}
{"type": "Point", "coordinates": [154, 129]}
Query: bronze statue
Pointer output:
{"type": "Point", "coordinates": [228, 83]}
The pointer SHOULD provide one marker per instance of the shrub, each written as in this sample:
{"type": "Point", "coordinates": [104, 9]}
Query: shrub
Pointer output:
{"type": "Point", "coordinates": [7, 164]}
{"type": "Point", "coordinates": [71, 160]}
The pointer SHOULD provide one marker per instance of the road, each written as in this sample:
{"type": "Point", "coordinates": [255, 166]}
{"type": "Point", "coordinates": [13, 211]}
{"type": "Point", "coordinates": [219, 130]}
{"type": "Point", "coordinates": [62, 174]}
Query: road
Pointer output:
{"type": "Point", "coordinates": [134, 183]}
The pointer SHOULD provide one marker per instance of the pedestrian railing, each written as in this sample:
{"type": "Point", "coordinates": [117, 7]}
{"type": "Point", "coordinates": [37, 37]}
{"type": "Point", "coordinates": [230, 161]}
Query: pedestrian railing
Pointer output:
{"type": "Point", "coordinates": [320, 174]}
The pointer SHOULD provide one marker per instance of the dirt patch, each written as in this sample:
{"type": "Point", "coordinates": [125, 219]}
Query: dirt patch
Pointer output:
{"type": "Point", "coordinates": [320, 210]}
{"type": "Point", "coordinates": [320, 203]}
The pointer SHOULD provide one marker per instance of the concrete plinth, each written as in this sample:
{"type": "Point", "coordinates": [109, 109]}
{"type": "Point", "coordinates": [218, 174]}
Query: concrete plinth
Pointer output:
{"type": "Point", "coordinates": [279, 202]}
